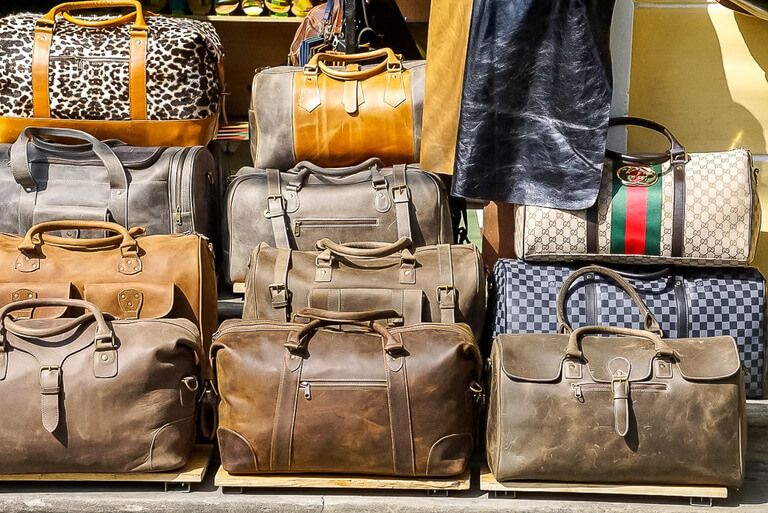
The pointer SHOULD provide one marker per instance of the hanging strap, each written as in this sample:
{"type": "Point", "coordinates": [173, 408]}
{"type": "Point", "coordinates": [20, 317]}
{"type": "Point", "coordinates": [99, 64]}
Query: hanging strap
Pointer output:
{"type": "Point", "coordinates": [401, 196]}
{"type": "Point", "coordinates": [400, 416]}
{"type": "Point", "coordinates": [278, 289]}
{"type": "Point", "coordinates": [446, 293]}
{"type": "Point", "coordinates": [285, 413]}
{"type": "Point", "coordinates": [276, 209]}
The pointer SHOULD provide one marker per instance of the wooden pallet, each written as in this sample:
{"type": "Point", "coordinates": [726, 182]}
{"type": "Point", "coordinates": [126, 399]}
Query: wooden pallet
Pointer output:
{"type": "Point", "coordinates": [698, 495]}
{"type": "Point", "coordinates": [174, 480]}
{"type": "Point", "coordinates": [236, 484]}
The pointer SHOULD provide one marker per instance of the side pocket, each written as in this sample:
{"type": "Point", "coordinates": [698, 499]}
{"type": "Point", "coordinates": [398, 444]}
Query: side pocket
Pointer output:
{"type": "Point", "coordinates": [237, 456]}
{"type": "Point", "coordinates": [450, 455]}
{"type": "Point", "coordinates": [172, 445]}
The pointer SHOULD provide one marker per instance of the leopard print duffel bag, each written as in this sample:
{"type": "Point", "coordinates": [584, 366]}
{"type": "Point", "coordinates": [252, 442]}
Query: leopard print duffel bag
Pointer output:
{"type": "Point", "coordinates": [145, 79]}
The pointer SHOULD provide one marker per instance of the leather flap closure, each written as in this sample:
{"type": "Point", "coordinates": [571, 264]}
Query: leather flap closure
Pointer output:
{"type": "Point", "coordinates": [605, 355]}
{"type": "Point", "coordinates": [12, 292]}
{"type": "Point", "coordinates": [139, 300]}
{"type": "Point", "coordinates": [707, 359]}
{"type": "Point", "coordinates": [532, 357]}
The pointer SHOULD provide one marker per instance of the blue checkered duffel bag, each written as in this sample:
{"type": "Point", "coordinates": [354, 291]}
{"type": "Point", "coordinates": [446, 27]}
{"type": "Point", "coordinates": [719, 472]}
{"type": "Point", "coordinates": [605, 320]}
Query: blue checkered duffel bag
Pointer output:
{"type": "Point", "coordinates": [688, 302]}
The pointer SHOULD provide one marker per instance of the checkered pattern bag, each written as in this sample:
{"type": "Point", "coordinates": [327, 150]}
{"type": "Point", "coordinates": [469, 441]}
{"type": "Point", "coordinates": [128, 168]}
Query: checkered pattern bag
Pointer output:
{"type": "Point", "coordinates": [688, 302]}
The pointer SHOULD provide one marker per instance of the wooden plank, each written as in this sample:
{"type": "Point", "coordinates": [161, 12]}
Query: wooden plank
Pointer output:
{"type": "Point", "coordinates": [488, 483]}
{"type": "Point", "coordinates": [227, 480]}
{"type": "Point", "coordinates": [192, 472]}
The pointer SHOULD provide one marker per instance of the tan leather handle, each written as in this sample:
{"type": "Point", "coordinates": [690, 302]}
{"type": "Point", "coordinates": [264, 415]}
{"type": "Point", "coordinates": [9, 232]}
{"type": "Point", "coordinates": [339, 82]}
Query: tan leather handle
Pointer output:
{"type": "Point", "coordinates": [364, 249]}
{"type": "Point", "coordinates": [298, 340]}
{"type": "Point", "coordinates": [137, 17]}
{"type": "Point", "coordinates": [573, 350]}
{"type": "Point", "coordinates": [33, 237]}
{"type": "Point", "coordinates": [649, 321]}
{"type": "Point", "coordinates": [318, 61]}
{"type": "Point", "coordinates": [103, 333]}
{"type": "Point", "coordinates": [362, 316]}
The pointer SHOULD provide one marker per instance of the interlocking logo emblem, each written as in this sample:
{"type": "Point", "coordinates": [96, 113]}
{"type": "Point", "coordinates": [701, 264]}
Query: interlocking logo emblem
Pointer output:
{"type": "Point", "coordinates": [637, 176]}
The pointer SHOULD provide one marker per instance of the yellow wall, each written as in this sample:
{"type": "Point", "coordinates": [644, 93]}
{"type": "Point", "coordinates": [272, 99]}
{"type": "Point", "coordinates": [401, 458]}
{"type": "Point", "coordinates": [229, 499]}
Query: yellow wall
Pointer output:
{"type": "Point", "coordinates": [702, 70]}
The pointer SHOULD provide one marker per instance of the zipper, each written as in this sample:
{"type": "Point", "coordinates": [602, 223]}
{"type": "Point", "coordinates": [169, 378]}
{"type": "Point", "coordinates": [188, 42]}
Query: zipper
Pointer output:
{"type": "Point", "coordinates": [682, 307]}
{"type": "Point", "coordinates": [81, 60]}
{"type": "Point", "coordinates": [178, 171]}
{"type": "Point", "coordinates": [355, 222]}
{"type": "Point", "coordinates": [338, 384]}
{"type": "Point", "coordinates": [580, 388]}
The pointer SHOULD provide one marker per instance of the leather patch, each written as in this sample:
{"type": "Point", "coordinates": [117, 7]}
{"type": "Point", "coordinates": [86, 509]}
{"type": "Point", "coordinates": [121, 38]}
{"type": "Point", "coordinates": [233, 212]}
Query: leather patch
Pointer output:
{"type": "Point", "coordinates": [394, 93]}
{"type": "Point", "coordinates": [572, 369]}
{"type": "Point", "coordinates": [26, 263]}
{"type": "Point", "coordinates": [20, 295]}
{"type": "Point", "coordinates": [130, 301]}
{"type": "Point", "coordinates": [130, 265]}
{"type": "Point", "coordinates": [50, 390]}
{"type": "Point", "coordinates": [662, 369]}
{"type": "Point", "coordinates": [309, 95]}
{"type": "Point", "coordinates": [105, 363]}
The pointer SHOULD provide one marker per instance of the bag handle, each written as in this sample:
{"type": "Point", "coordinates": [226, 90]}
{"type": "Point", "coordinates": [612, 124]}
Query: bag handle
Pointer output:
{"type": "Point", "coordinates": [649, 321]}
{"type": "Point", "coordinates": [573, 350]}
{"type": "Point", "coordinates": [676, 153]}
{"type": "Point", "coordinates": [41, 49]}
{"type": "Point", "coordinates": [298, 340]}
{"type": "Point", "coordinates": [137, 16]}
{"type": "Point", "coordinates": [364, 249]}
{"type": "Point", "coordinates": [33, 238]}
{"type": "Point", "coordinates": [303, 169]}
{"type": "Point", "coordinates": [118, 180]}
{"type": "Point", "coordinates": [103, 332]}
{"type": "Point", "coordinates": [391, 62]}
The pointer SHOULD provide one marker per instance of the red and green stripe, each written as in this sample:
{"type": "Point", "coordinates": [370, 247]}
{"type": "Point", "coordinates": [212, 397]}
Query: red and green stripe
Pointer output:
{"type": "Point", "coordinates": [636, 217]}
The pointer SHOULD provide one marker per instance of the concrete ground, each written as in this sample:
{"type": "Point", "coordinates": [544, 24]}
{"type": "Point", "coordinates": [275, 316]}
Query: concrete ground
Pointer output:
{"type": "Point", "coordinates": [205, 498]}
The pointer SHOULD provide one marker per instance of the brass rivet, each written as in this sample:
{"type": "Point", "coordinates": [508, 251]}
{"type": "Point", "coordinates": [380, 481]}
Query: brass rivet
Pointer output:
{"type": "Point", "coordinates": [26, 258]}
{"type": "Point", "coordinates": [130, 304]}
{"type": "Point", "coordinates": [18, 264]}
{"type": "Point", "coordinates": [122, 296]}
{"type": "Point", "coordinates": [29, 296]}
{"type": "Point", "coordinates": [407, 272]}
{"type": "Point", "coordinates": [135, 268]}
{"type": "Point", "coordinates": [104, 357]}
{"type": "Point", "coordinates": [34, 266]}
{"type": "Point", "coordinates": [136, 296]}
{"type": "Point", "coordinates": [128, 261]}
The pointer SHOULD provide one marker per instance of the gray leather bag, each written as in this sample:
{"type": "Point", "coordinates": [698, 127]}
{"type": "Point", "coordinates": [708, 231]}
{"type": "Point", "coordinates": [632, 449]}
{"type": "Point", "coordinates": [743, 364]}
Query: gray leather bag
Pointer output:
{"type": "Point", "coordinates": [164, 190]}
{"type": "Point", "coordinates": [363, 203]}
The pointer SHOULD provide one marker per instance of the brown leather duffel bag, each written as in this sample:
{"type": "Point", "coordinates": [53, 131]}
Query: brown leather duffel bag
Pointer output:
{"type": "Point", "coordinates": [128, 277]}
{"type": "Point", "coordinates": [627, 408]}
{"type": "Point", "coordinates": [342, 394]}
{"type": "Point", "coordinates": [87, 395]}
{"type": "Point", "coordinates": [441, 283]}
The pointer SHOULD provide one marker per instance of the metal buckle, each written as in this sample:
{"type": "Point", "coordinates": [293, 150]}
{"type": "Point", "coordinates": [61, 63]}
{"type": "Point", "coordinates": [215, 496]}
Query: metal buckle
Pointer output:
{"type": "Point", "coordinates": [50, 368]}
{"type": "Point", "coordinates": [398, 194]}
{"type": "Point", "coordinates": [268, 212]}
{"type": "Point", "coordinates": [278, 293]}
{"type": "Point", "coordinates": [443, 293]}
{"type": "Point", "coordinates": [395, 67]}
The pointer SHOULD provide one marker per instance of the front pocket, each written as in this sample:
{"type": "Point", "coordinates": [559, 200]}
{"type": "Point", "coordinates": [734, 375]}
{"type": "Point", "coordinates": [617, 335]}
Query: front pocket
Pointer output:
{"type": "Point", "coordinates": [309, 226]}
{"type": "Point", "coordinates": [342, 426]}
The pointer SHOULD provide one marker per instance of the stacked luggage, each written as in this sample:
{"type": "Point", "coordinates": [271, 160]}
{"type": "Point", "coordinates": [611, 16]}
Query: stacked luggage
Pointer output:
{"type": "Point", "coordinates": [673, 337]}
{"type": "Point", "coordinates": [358, 350]}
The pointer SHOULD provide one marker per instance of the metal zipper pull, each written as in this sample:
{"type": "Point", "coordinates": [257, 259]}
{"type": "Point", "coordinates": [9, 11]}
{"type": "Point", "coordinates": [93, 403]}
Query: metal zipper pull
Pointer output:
{"type": "Point", "coordinates": [177, 216]}
{"type": "Point", "coordinates": [577, 392]}
{"type": "Point", "coordinates": [307, 390]}
{"type": "Point", "coordinates": [297, 229]}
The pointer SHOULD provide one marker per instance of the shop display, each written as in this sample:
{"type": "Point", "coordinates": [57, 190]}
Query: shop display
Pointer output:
{"type": "Point", "coordinates": [450, 281]}
{"type": "Point", "coordinates": [147, 80]}
{"type": "Point", "coordinates": [363, 203]}
{"type": "Point", "coordinates": [535, 102]}
{"type": "Point", "coordinates": [335, 116]}
{"type": "Point", "coordinates": [675, 208]}
{"type": "Point", "coordinates": [126, 276]}
{"type": "Point", "coordinates": [317, 30]}
{"type": "Point", "coordinates": [352, 398]}
{"type": "Point", "coordinates": [89, 395]}
{"type": "Point", "coordinates": [687, 302]}
{"type": "Point", "coordinates": [625, 407]}
{"type": "Point", "coordinates": [163, 190]}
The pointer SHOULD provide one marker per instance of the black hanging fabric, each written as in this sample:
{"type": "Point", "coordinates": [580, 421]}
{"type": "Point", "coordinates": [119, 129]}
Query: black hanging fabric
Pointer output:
{"type": "Point", "coordinates": [536, 101]}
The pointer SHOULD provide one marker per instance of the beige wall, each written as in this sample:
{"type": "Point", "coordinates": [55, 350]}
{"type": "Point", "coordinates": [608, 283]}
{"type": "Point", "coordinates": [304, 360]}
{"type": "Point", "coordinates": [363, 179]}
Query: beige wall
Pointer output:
{"type": "Point", "coordinates": [701, 70]}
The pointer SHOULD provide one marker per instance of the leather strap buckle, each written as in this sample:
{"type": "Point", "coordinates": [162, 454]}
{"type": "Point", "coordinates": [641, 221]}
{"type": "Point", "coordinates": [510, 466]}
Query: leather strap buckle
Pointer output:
{"type": "Point", "coordinates": [401, 193]}
{"type": "Point", "coordinates": [279, 294]}
{"type": "Point", "coordinates": [275, 210]}
{"type": "Point", "coordinates": [446, 296]}
{"type": "Point", "coordinates": [50, 380]}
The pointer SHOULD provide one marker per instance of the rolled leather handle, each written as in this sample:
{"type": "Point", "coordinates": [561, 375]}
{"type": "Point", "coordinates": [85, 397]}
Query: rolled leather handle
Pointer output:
{"type": "Point", "coordinates": [649, 321]}
{"type": "Point", "coordinates": [364, 249]}
{"type": "Point", "coordinates": [33, 237]}
{"type": "Point", "coordinates": [298, 340]}
{"type": "Point", "coordinates": [314, 169]}
{"type": "Point", "coordinates": [676, 151]}
{"type": "Point", "coordinates": [137, 16]}
{"type": "Point", "coordinates": [103, 331]}
{"type": "Point", "coordinates": [573, 350]}
{"type": "Point", "coordinates": [318, 61]}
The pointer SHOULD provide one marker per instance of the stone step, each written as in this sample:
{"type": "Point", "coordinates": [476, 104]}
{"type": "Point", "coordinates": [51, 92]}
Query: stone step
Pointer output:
{"type": "Point", "coordinates": [119, 498]}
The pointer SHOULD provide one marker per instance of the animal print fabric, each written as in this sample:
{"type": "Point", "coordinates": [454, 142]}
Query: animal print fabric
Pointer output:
{"type": "Point", "coordinates": [89, 69]}
{"type": "Point", "coordinates": [722, 218]}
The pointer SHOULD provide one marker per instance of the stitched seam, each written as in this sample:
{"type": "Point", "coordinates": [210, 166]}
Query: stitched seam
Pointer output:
{"type": "Point", "coordinates": [155, 436]}
{"type": "Point", "coordinates": [246, 442]}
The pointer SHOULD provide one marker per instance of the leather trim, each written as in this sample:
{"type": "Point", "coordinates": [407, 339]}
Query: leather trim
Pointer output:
{"type": "Point", "coordinates": [400, 416]}
{"type": "Point", "coordinates": [137, 81]}
{"type": "Point", "coordinates": [41, 51]}
{"type": "Point", "coordinates": [185, 132]}
{"type": "Point", "coordinates": [285, 415]}
{"type": "Point", "coordinates": [678, 209]}
{"type": "Point", "coordinates": [592, 230]}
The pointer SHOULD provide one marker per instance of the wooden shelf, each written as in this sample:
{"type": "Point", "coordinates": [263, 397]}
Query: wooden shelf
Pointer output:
{"type": "Point", "coordinates": [241, 18]}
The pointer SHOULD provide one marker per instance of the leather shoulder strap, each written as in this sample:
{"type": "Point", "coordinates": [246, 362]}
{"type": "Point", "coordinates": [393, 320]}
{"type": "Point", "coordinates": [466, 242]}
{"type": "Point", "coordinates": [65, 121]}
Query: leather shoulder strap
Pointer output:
{"type": "Point", "coordinates": [401, 196]}
{"type": "Point", "coordinates": [285, 414]}
{"type": "Point", "coordinates": [276, 209]}
{"type": "Point", "coordinates": [400, 416]}
{"type": "Point", "coordinates": [446, 293]}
